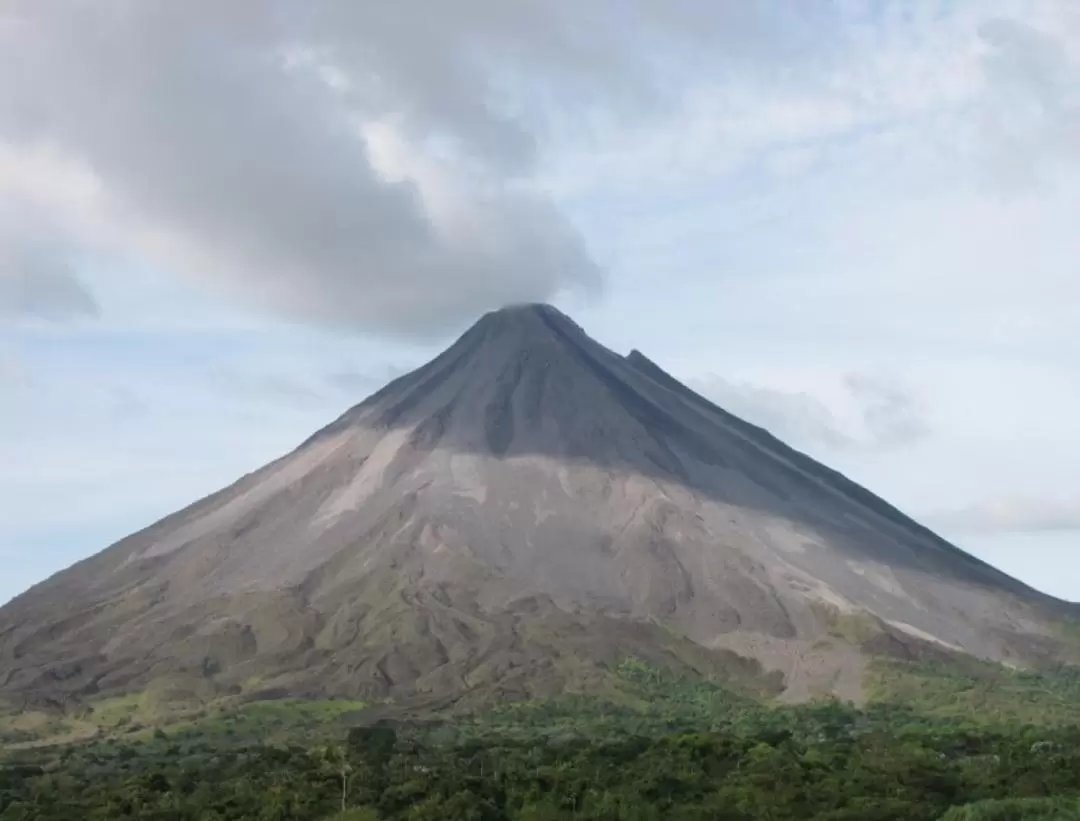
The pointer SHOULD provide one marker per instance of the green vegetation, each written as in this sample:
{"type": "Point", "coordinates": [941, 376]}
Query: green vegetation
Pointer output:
{"type": "Point", "coordinates": [138, 717]}
{"type": "Point", "coordinates": [278, 721]}
{"type": "Point", "coordinates": [659, 746]}
{"type": "Point", "coordinates": [855, 628]}
{"type": "Point", "coordinates": [1048, 697]}
{"type": "Point", "coordinates": [643, 700]}
{"type": "Point", "coordinates": [1017, 809]}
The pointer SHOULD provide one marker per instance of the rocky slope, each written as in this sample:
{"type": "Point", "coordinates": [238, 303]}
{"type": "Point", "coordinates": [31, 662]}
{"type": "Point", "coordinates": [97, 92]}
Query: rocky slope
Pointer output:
{"type": "Point", "coordinates": [500, 522]}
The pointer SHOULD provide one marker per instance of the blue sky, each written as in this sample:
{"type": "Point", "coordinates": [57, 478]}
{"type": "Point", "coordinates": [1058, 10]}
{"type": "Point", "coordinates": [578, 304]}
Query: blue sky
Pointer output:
{"type": "Point", "coordinates": [853, 224]}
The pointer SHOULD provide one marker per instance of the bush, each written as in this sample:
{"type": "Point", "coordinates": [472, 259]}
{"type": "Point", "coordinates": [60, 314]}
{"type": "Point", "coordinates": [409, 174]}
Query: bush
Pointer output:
{"type": "Point", "coordinates": [356, 814]}
{"type": "Point", "coordinates": [1017, 809]}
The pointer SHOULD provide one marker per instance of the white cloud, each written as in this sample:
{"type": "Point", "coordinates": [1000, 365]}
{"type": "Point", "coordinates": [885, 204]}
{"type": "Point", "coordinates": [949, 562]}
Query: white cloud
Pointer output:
{"type": "Point", "coordinates": [890, 414]}
{"type": "Point", "coordinates": [1012, 514]}
{"type": "Point", "coordinates": [880, 413]}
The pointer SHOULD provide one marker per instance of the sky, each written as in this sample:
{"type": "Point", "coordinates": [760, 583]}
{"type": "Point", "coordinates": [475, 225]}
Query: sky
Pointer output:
{"type": "Point", "coordinates": [850, 221]}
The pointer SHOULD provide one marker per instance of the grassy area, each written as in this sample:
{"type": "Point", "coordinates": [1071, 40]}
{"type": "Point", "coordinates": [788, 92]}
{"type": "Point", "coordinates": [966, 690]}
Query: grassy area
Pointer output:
{"type": "Point", "coordinates": [268, 722]}
{"type": "Point", "coordinates": [855, 628]}
{"type": "Point", "coordinates": [1070, 631]}
{"type": "Point", "coordinates": [23, 728]}
{"type": "Point", "coordinates": [979, 691]}
{"type": "Point", "coordinates": [141, 716]}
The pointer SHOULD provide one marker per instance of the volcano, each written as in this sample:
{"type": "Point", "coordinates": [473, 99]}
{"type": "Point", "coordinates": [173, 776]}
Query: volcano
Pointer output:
{"type": "Point", "coordinates": [505, 521]}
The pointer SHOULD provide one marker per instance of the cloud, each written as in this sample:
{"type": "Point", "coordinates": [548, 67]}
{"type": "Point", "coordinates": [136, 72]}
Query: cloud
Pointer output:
{"type": "Point", "coordinates": [383, 166]}
{"type": "Point", "coordinates": [346, 162]}
{"type": "Point", "coordinates": [1034, 118]}
{"type": "Point", "coordinates": [1012, 514]}
{"type": "Point", "coordinates": [792, 416]}
{"type": "Point", "coordinates": [36, 277]}
{"type": "Point", "coordinates": [981, 92]}
{"type": "Point", "coordinates": [284, 160]}
{"type": "Point", "coordinates": [890, 414]}
{"type": "Point", "coordinates": [885, 415]}
{"type": "Point", "coordinates": [37, 282]}
{"type": "Point", "coordinates": [386, 167]}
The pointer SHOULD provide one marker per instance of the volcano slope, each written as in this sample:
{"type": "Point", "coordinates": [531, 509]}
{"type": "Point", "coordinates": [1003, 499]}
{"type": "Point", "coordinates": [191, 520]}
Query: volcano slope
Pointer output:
{"type": "Point", "coordinates": [501, 522]}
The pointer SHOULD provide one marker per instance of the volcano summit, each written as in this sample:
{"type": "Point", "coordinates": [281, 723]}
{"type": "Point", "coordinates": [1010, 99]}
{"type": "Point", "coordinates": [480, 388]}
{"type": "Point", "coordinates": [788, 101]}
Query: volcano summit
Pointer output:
{"type": "Point", "coordinates": [503, 521]}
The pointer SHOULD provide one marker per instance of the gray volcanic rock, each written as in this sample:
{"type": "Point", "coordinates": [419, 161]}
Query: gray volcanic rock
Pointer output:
{"type": "Point", "coordinates": [501, 520]}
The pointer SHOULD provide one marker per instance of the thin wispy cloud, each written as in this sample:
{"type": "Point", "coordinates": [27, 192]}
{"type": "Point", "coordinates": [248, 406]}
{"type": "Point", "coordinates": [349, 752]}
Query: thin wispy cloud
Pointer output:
{"type": "Point", "coordinates": [1019, 514]}
{"type": "Point", "coordinates": [881, 414]}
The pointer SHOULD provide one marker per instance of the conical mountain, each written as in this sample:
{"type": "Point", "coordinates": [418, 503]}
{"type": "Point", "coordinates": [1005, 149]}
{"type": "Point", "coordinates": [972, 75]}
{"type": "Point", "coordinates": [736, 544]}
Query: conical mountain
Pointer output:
{"type": "Point", "coordinates": [503, 520]}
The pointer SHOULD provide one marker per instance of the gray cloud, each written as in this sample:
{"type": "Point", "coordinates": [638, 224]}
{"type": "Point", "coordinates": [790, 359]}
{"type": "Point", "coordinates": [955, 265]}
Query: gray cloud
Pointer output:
{"type": "Point", "coordinates": [36, 277]}
{"type": "Point", "coordinates": [351, 162]}
{"type": "Point", "coordinates": [254, 174]}
{"type": "Point", "coordinates": [890, 414]}
{"type": "Point", "coordinates": [1011, 514]}
{"type": "Point", "coordinates": [887, 415]}
{"type": "Point", "coordinates": [794, 417]}
{"type": "Point", "coordinates": [37, 282]}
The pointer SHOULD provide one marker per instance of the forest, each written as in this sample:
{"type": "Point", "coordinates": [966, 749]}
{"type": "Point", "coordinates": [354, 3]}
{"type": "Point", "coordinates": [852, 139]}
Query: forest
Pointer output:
{"type": "Point", "coordinates": [682, 749]}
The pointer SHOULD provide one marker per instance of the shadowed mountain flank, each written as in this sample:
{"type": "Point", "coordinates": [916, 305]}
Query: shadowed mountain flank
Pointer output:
{"type": "Point", "coordinates": [503, 520]}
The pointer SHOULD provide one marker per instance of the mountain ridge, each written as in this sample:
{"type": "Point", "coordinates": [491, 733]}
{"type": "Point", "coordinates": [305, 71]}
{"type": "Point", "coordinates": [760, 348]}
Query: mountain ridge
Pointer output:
{"type": "Point", "coordinates": [890, 512]}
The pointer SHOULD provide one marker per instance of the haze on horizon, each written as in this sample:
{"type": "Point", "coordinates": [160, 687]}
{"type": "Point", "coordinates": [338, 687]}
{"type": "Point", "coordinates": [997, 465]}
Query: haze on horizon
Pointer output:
{"type": "Point", "coordinates": [851, 223]}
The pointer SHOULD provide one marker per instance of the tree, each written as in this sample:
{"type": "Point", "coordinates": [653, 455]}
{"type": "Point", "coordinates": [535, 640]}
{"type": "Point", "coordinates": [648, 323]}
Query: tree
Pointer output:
{"type": "Point", "coordinates": [371, 749]}
{"type": "Point", "coordinates": [334, 760]}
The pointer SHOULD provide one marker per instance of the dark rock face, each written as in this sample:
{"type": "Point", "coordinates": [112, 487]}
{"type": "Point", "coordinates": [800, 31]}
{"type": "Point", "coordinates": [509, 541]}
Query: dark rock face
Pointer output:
{"type": "Point", "coordinates": [526, 505]}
